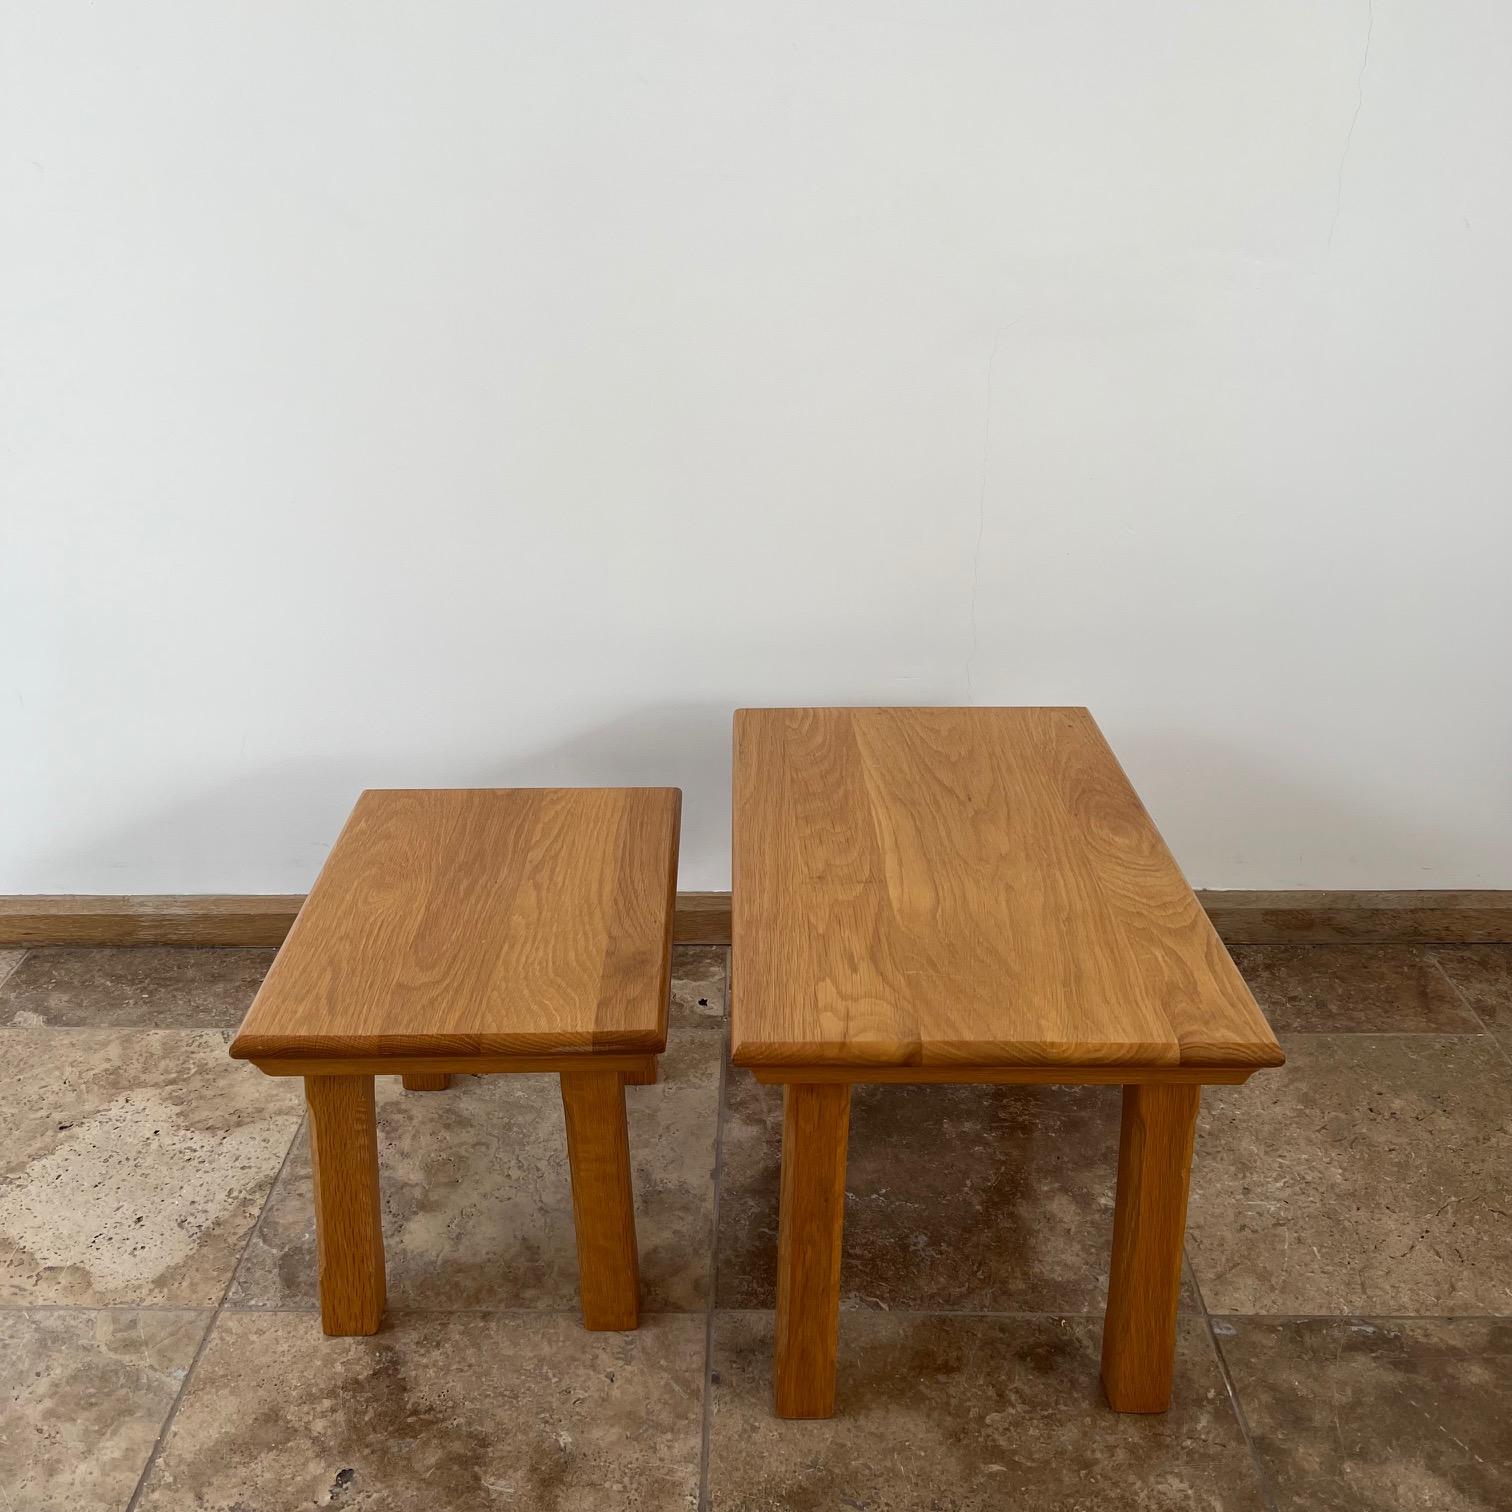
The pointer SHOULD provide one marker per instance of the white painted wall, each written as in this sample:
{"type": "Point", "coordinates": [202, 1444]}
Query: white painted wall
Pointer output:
{"type": "Point", "coordinates": [485, 393]}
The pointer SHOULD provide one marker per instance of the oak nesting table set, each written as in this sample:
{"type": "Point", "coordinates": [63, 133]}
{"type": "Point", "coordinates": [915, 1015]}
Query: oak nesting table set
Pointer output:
{"type": "Point", "coordinates": [919, 895]}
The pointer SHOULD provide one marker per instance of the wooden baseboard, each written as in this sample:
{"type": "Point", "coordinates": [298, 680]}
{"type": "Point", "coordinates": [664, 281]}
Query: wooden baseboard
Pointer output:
{"type": "Point", "coordinates": [1241, 918]}
{"type": "Point", "coordinates": [1340, 918]}
{"type": "Point", "coordinates": [212, 919]}
{"type": "Point", "coordinates": [163, 919]}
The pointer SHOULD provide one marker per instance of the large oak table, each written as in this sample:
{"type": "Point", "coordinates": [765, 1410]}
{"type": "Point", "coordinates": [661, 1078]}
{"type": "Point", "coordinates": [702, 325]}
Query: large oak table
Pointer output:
{"type": "Point", "coordinates": [971, 895]}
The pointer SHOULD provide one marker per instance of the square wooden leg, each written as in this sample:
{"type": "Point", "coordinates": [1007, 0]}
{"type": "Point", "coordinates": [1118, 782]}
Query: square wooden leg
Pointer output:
{"type": "Point", "coordinates": [426, 1081]}
{"type": "Point", "coordinates": [603, 1204]}
{"type": "Point", "coordinates": [1149, 1221]}
{"type": "Point", "coordinates": [348, 1215]}
{"type": "Point", "coordinates": [811, 1226]}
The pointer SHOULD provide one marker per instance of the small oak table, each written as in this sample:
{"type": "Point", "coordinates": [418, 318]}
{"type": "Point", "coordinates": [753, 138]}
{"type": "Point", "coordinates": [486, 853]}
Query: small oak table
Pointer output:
{"type": "Point", "coordinates": [971, 895]}
{"type": "Point", "coordinates": [477, 930]}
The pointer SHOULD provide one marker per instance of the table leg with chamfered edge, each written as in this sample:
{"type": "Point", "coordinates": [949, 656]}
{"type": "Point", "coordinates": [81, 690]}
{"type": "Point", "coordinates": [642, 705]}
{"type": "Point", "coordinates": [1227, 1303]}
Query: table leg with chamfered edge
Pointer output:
{"type": "Point", "coordinates": [1149, 1222]}
{"type": "Point", "coordinates": [348, 1215]}
{"type": "Point", "coordinates": [603, 1203]}
{"type": "Point", "coordinates": [811, 1225]}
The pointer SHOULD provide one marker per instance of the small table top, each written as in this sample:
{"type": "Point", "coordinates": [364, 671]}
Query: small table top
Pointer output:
{"type": "Point", "coordinates": [462, 921]}
{"type": "Point", "coordinates": [965, 888]}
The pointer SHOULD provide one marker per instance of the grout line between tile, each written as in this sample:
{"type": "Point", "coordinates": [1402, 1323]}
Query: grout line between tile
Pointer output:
{"type": "Point", "coordinates": [1362, 1316]}
{"type": "Point", "coordinates": [1235, 1405]}
{"type": "Point", "coordinates": [220, 1307]}
{"type": "Point", "coordinates": [1467, 1005]}
{"type": "Point", "coordinates": [1292, 1034]}
{"type": "Point", "coordinates": [109, 1307]}
{"type": "Point", "coordinates": [8, 972]}
{"type": "Point", "coordinates": [708, 1384]}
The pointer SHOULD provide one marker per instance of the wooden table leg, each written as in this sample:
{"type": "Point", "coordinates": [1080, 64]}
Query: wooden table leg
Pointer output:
{"type": "Point", "coordinates": [811, 1226]}
{"type": "Point", "coordinates": [603, 1204]}
{"type": "Point", "coordinates": [1149, 1221]}
{"type": "Point", "coordinates": [427, 1081]}
{"type": "Point", "coordinates": [348, 1216]}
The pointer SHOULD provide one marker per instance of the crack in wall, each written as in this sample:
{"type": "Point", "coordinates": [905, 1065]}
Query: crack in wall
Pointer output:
{"type": "Point", "coordinates": [1353, 121]}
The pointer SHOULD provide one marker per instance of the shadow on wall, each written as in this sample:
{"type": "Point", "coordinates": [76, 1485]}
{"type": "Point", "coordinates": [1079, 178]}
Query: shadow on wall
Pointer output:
{"type": "Point", "coordinates": [1233, 822]}
{"type": "Point", "coordinates": [269, 831]}
{"type": "Point", "coordinates": [1230, 821]}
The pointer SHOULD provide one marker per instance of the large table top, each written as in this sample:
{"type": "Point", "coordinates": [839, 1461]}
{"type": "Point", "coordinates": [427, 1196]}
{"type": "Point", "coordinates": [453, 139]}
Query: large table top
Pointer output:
{"type": "Point", "coordinates": [965, 888]}
{"type": "Point", "coordinates": [477, 921]}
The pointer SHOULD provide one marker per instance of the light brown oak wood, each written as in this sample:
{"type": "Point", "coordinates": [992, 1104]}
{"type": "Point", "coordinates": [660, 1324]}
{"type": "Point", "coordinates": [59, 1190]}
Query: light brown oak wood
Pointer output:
{"type": "Point", "coordinates": [811, 1225]}
{"type": "Point", "coordinates": [147, 919]}
{"type": "Point", "coordinates": [701, 918]}
{"type": "Point", "coordinates": [1005, 1076]}
{"type": "Point", "coordinates": [970, 895]}
{"type": "Point", "coordinates": [603, 1203]}
{"type": "Point", "coordinates": [633, 1066]}
{"type": "Point", "coordinates": [348, 1215]}
{"type": "Point", "coordinates": [525, 921]}
{"type": "Point", "coordinates": [512, 930]}
{"type": "Point", "coordinates": [1149, 1220]}
{"type": "Point", "coordinates": [427, 1081]}
{"type": "Point", "coordinates": [965, 887]}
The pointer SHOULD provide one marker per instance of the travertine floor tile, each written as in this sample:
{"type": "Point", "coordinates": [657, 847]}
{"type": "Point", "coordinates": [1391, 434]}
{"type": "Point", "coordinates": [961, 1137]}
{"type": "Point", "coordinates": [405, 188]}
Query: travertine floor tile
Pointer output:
{"type": "Point", "coordinates": [445, 1413]}
{"type": "Point", "coordinates": [699, 987]}
{"type": "Point", "coordinates": [133, 1162]}
{"type": "Point", "coordinates": [83, 1395]}
{"type": "Point", "coordinates": [970, 1414]}
{"type": "Point", "coordinates": [1354, 1415]}
{"type": "Point", "coordinates": [1381, 989]}
{"type": "Point", "coordinates": [1365, 1176]}
{"type": "Point", "coordinates": [133, 987]}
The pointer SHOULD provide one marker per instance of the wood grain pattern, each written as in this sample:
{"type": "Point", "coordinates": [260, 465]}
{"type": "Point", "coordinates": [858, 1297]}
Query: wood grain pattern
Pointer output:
{"type": "Point", "coordinates": [701, 918]}
{"type": "Point", "coordinates": [810, 1237]}
{"type": "Point", "coordinates": [1149, 1220]}
{"type": "Point", "coordinates": [603, 1202]}
{"type": "Point", "coordinates": [965, 887]}
{"type": "Point", "coordinates": [348, 1212]}
{"type": "Point", "coordinates": [524, 921]}
{"type": "Point", "coordinates": [427, 1081]}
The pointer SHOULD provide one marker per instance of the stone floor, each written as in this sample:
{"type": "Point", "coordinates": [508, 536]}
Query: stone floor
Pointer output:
{"type": "Point", "coordinates": [1346, 1339]}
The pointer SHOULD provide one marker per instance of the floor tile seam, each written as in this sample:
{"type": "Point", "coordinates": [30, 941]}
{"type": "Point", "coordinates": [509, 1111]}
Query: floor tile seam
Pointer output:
{"type": "Point", "coordinates": [1468, 1006]}
{"type": "Point", "coordinates": [706, 1431]}
{"type": "Point", "coordinates": [1235, 1405]}
{"type": "Point", "coordinates": [407, 1310]}
{"type": "Point", "coordinates": [1385, 1033]}
{"type": "Point", "coordinates": [414, 1310]}
{"type": "Point", "coordinates": [1362, 1315]}
{"type": "Point", "coordinates": [110, 1307]}
{"type": "Point", "coordinates": [221, 1029]}
{"type": "Point", "coordinates": [172, 1414]}
{"type": "Point", "coordinates": [9, 971]}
